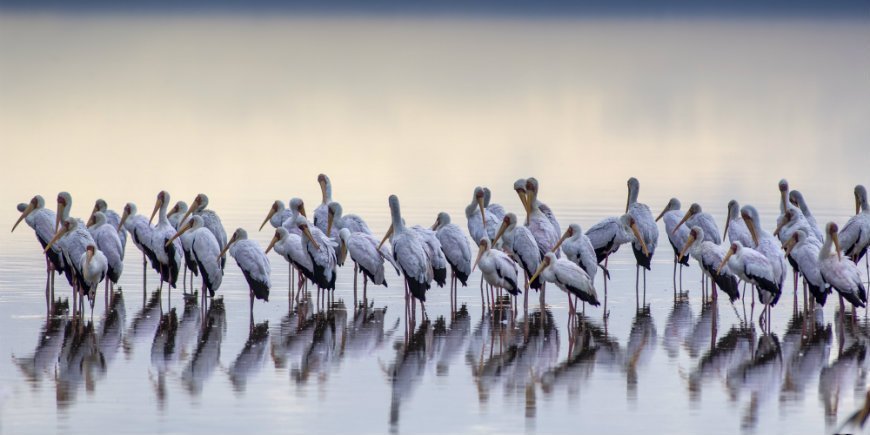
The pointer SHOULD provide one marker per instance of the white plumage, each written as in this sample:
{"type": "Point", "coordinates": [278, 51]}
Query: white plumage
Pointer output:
{"type": "Point", "coordinates": [569, 277]}
{"type": "Point", "coordinates": [521, 244]}
{"type": "Point", "coordinates": [611, 233]}
{"type": "Point", "coordinates": [94, 267]}
{"type": "Point", "coordinates": [321, 213]}
{"type": "Point", "coordinates": [538, 223]}
{"type": "Point", "coordinates": [455, 247]}
{"type": "Point", "coordinates": [646, 225]}
{"type": "Point", "coordinates": [753, 267]}
{"type": "Point", "coordinates": [168, 255]}
{"type": "Point", "coordinates": [494, 213]}
{"type": "Point", "coordinates": [578, 250]}
{"type": "Point", "coordinates": [253, 262]}
{"type": "Point", "coordinates": [113, 220]}
{"type": "Point", "coordinates": [766, 244]}
{"type": "Point", "coordinates": [855, 236]}
{"type": "Point", "coordinates": [497, 268]}
{"type": "Point", "coordinates": [475, 213]}
{"type": "Point", "coordinates": [797, 199]}
{"type": "Point", "coordinates": [289, 246]}
{"type": "Point", "coordinates": [210, 220]}
{"type": "Point", "coordinates": [696, 217]}
{"type": "Point", "coordinates": [277, 215]}
{"type": "Point", "coordinates": [710, 256]}
{"type": "Point", "coordinates": [677, 234]}
{"type": "Point", "coordinates": [140, 231]}
{"type": "Point", "coordinates": [804, 251]}
{"type": "Point", "coordinates": [841, 273]}
{"type": "Point", "coordinates": [206, 252]}
{"type": "Point", "coordinates": [42, 220]}
{"type": "Point", "coordinates": [363, 250]}
{"type": "Point", "coordinates": [108, 241]}
{"type": "Point", "coordinates": [434, 252]}
{"type": "Point", "coordinates": [735, 226]}
{"type": "Point", "coordinates": [409, 253]}
{"type": "Point", "coordinates": [321, 249]}
{"type": "Point", "coordinates": [337, 219]}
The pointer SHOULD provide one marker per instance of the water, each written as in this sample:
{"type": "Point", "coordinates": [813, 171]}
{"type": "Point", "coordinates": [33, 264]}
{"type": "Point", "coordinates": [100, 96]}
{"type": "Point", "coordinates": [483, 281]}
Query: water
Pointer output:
{"type": "Point", "coordinates": [120, 107]}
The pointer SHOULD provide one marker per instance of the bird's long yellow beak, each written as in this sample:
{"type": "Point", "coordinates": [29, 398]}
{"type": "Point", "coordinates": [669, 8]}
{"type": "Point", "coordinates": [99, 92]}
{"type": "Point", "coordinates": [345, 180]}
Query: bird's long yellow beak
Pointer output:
{"type": "Point", "coordinates": [779, 228]}
{"type": "Point", "coordinates": [90, 255]}
{"type": "Point", "coordinates": [193, 206]}
{"type": "Point", "coordinates": [226, 248]}
{"type": "Point", "coordinates": [857, 204]}
{"type": "Point", "coordinates": [564, 237]}
{"type": "Point", "coordinates": [94, 210]}
{"type": "Point", "coordinates": [91, 221]}
{"type": "Point", "coordinates": [272, 212]}
{"type": "Point", "coordinates": [540, 269]}
{"type": "Point", "coordinates": [24, 214]}
{"type": "Point", "coordinates": [329, 219]}
{"type": "Point", "coordinates": [640, 239]}
{"type": "Point", "coordinates": [480, 252]}
{"type": "Point", "coordinates": [501, 230]}
{"type": "Point", "coordinates": [157, 206]}
{"type": "Point", "coordinates": [751, 225]}
{"type": "Point", "coordinates": [183, 230]}
{"type": "Point", "coordinates": [386, 236]}
{"type": "Point", "coordinates": [302, 210]}
{"type": "Point", "coordinates": [123, 219]}
{"type": "Point", "coordinates": [272, 243]}
{"type": "Point", "coordinates": [683, 220]}
{"type": "Point", "coordinates": [523, 199]}
{"type": "Point", "coordinates": [727, 222]}
{"type": "Point", "coordinates": [482, 212]}
{"type": "Point", "coordinates": [307, 233]}
{"type": "Point", "coordinates": [661, 214]}
{"type": "Point", "coordinates": [724, 261]}
{"type": "Point", "coordinates": [837, 245]}
{"type": "Point", "coordinates": [789, 246]}
{"type": "Point", "coordinates": [323, 197]}
{"type": "Point", "coordinates": [435, 225]}
{"type": "Point", "coordinates": [57, 236]}
{"type": "Point", "coordinates": [58, 215]}
{"type": "Point", "coordinates": [689, 242]}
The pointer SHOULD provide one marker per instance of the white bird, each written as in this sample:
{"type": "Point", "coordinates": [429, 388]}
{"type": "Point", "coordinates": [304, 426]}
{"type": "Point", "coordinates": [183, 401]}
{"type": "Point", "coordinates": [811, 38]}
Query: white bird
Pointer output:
{"type": "Point", "coordinates": [73, 241]}
{"type": "Point", "coordinates": [497, 268]}
{"type": "Point", "coordinates": [64, 205]}
{"type": "Point", "coordinates": [321, 249]}
{"type": "Point", "coordinates": [611, 233]}
{"type": "Point", "coordinates": [479, 222]}
{"type": "Point", "coordinates": [42, 220]}
{"type": "Point", "coordinates": [168, 255]}
{"type": "Point", "coordinates": [210, 220]}
{"type": "Point", "coordinates": [797, 199]}
{"type": "Point", "coordinates": [253, 263]}
{"type": "Point", "coordinates": [696, 217]}
{"type": "Point", "coordinates": [112, 219]}
{"type": "Point", "coordinates": [277, 215]}
{"type": "Point", "coordinates": [754, 268]}
{"type": "Point", "coordinates": [175, 216]}
{"type": "Point", "coordinates": [364, 251]}
{"type": "Point", "coordinates": [765, 244]}
{"type": "Point", "coordinates": [545, 209]}
{"type": "Point", "coordinates": [569, 277]}
{"type": "Point", "coordinates": [739, 232]}
{"type": "Point", "coordinates": [841, 273]}
{"type": "Point", "coordinates": [645, 223]}
{"type": "Point", "coordinates": [108, 241]}
{"type": "Point", "coordinates": [94, 267]}
{"type": "Point", "coordinates": [677, 234]}
{"type": "Point", "coordinates": [521, 244]}
{"type": "Point", "coordinates": [804, 250]}
{"type": "Point", "coordinates": [494, 212]}
{"type": "Point", "coordinates": [546, 235]}
{"type": "Point", "coordinates": [206, 253]}
{"type": "Point", "coordinates": [289, 246]}
{"type": "Point", "coordinates": [855, 236]}
{"type": "Point", "coordinates": [709, 256]}
{"type": "Point", "coordinates": [321, 212]}
{"type": "Point", "coordinates": [454, 245]}
{"type": "Point", "coordinates": [409, 253]}
{"type": "Point", "coordinates": [434, 252]}
{"type": "Point", "coordinates": [140, 232]}
{"type": "Point", "coordinates": [337, 218]}
{"type": "Point", "coordinates": [176, 213]}
{"type": "Point", "coordinates": [578, 249]}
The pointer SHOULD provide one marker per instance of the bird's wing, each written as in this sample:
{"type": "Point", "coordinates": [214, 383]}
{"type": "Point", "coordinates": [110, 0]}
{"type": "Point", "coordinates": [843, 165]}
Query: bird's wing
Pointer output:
{"type": "Point", "coordinates": [252, 260]}
{"type": "Point", "coordinates": [602, 233]}
{"type": "Point", "coordinates": [355, 224]}
{"type": "Point", "coordinates": [454, 244]}
{"type": "Point", "coordinates": [526, 250]}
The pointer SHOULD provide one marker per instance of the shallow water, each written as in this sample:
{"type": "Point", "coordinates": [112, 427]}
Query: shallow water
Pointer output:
{"type": "Point", "coordinates": [705, 111]}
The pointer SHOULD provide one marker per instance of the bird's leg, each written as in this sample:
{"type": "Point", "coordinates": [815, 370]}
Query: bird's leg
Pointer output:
{"type": "Point", "coordinates": [355, 272]}
{"type": "Point", "coordinates": [423, 311]}
{"type": "Point", "coordinates": [644, 287]}
{"type": "Point", "coordinates": [636, 286]}
{"type": "Point", "coordinates": [251, 307]}
{"type": "Point", "coordinates": [681, 279]}
{"type": "Point", "coordinates": [714, 292]}
{"type": "Point", "coordinates": [365, 288]}
{"type": "Point", "coordinates": [184, 280]}
{"type": "Point", "coordinates": [675, 277]}
{"type": "Point", "coordinates": [482, 302]}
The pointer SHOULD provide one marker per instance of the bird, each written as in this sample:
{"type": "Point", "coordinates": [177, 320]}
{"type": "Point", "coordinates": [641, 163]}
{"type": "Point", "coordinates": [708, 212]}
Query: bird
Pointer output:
{"type": "Point", "coordinates": [254, 264]}
{"type": "Point", "coordinates": [754, 268]}
{"type": "Point", "coordinates": [476, 215]}
{"type": "Point", "coordinates": [855, 236]}
{"type": "Point", "coordinates": [206, 252]}
{"type": "Point", "coordinates": [454, 245]}
{"type": "Point", "coordinates": [765, 244]}
{"type": "Point", "coordinates": [796, 198]}
{"type": "Point", "coordinates": [366, 255]}
{"type": "Point", "coordinates": [176, 213]}
{"type": "Point", "coordinates": [569, 277]}
{"type": "Point", "coordinates": [521, 244]}
{"type": "Point", "coordinates": [840, 273]}
{"type": "Point", "coordinates": [277, 215]}
{"type": "Point", "coordinates": [175, 216]}
{"type": "Point", "coordinates": [113, 219]}
{"type": "Point", "coordinates": [321, 212]}
{"type": "Point", "coordinates": [289, 246]}
{"type": "Point", "coordinates": [64, 205]}
{"type": "Point", "coordinates": [410, 254]}
{"type": "Point", "coordinates": [140, 231]}
{"type": "Point", "coordinates": [709, 256]}
{"type": "Point", "coordinates": [210, 220]}
{"type": "Point", "coordinates": [545, 209]}
{"type": "Point", "coordinates": [649, 234]}
{"type": "Point", "coordinates": [739, 231]}
{"type": "Point", "coordinates": [168, 255]}
{"type": "Point", "coordinates": [434, 252]}
{"type": "Point", "coordinates": [608, 235]}
{"type": "Point", "coordinates": [42, 220]}
{"type": "Point", "coordinates": [494, 212]}
{"type": "Point", "coordinates": [337, 218]}
{"type": "Point", "coordinates": [497, 268]}
{"type": "Point", "coordinates": [94, 266]}
{"type": "Point", "coordinates": [73, 241]}
{"type": "Point", "coordinates": [321, 249]}
{"type": "Point", "coordinates": [539, 223]}
{"type": "Point", "coordinates": [579, 250]}
{"type": "Point", "coordinates": [677, 234]}
{"type": "Point", "coordinates": [804, 251]}
{"type": "Point", "coordinates": [696, 217]}
{"type": "Point", "coordinates": [107, 239]}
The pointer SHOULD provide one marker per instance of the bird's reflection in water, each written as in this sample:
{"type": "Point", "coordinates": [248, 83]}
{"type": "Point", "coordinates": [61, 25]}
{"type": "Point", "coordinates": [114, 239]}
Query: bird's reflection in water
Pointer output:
{"type": "Point", "coordinates": [327, 338]}
{"type": "Point", "coordinates": [80, 362]}
{"type": "Point", "coordinates": [734, 349]}
{"type": "Point", "coordinates": [846, 373]}
{"type": "Point", "coordinates": [163, 353]}
{"type": "Point", "coordinates": [208, 350]}
{"type": "Point", "coordinates": [51, 337]}
{"type": "Point", "coordinates": [639, 349]}
{"type": "Point", "coordinates": [407, 370]}
{"type": "Point", "coordinates": [701, 337]}
{"type": "Point", "coordinates": [678, 326]}
{"type": "Point", "coordinates": [112, 328]}
{"type": "Point", "coordinates": [293, 335]}
{"type": "Point", "coordinates": [144, 324]}
{"type": "Point", "coordinates": [760, 378]}
{"type": "Point", "coordinates": [517, 355]}
{"type": "Point", "coordinates": [805, 364]}
{"type": "Point", "coordinates": [250, 359]}
{"type": "Point", "coordinates": [589, 346]}
{"type": "Point", "coordinates": [366, 334]}
{"type": "Point", "coordinates": [449, 342]}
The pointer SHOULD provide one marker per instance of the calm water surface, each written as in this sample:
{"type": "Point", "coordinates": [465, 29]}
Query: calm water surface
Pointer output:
{"type": "Point", "coordinates": [121, 107]}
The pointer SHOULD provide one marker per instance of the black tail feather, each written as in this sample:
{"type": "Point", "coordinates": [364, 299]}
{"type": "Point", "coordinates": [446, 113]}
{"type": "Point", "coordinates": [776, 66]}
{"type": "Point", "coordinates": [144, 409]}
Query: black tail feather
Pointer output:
{"type": "Point", "coordinates": [585, 297]}
{"type": "Point", "coordinates": [260, 289]}
{"type": "Point", "coordinates": [642, 260]}
{"type": "Point", "coordinates": [819, 294]}
{"type": "Point", "coordinates": [461, 276]}
{"type": "Point", "coordinates": [440, 276]}
{"type": "Point", "coordinates": [417, 288]}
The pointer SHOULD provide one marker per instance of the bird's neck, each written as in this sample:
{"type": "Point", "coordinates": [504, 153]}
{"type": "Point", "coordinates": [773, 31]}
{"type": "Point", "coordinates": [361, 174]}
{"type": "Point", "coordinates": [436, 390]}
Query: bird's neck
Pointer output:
{"type": "Point", "coordinates": [825, 252]}
{"type": "Point", "coordinates": [396, 215]}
